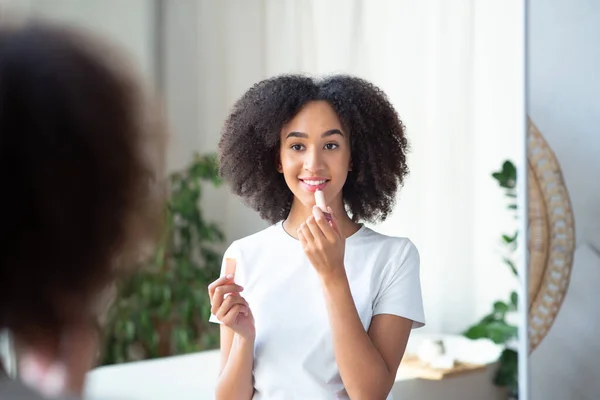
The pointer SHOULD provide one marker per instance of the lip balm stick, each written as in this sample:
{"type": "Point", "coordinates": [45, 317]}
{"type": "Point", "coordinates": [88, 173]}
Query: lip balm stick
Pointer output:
{"type": "Point", "coordinates": [320, 201]}
{"type": "Point", "coordinates": [229, 269]}
{"type": "Point", "coordinates": [230, 266]}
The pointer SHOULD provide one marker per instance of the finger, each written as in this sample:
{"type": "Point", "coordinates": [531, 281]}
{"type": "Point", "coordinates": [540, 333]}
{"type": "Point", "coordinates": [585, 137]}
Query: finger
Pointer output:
{"type": "Point", "coordinates": [220, 299]}
{"type": "Point", "coordinates": [231, 316]}
{"type": "Point", "coordinates": [228, 304]}
{"type": "Point", "coordinates": [227, 278]}
{"type": "Point", "coordinates": [306, 232]}
{"type": "Point", "coordinates": [219, 295]}
{"type": "Point", "coordinates": [315, 230]}
{"type": "Point", "coordinates": [302, 239]}
{"type": "Point", "coordinates": [334, 221]}
{"type": "Point", "coordinates": [222, 290]}
{"type": "Point", "coordinates": [323, 224]}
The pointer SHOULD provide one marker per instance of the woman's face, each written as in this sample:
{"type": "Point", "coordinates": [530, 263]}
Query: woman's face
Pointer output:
{"type": "Point", "coordinates": [315, 154]}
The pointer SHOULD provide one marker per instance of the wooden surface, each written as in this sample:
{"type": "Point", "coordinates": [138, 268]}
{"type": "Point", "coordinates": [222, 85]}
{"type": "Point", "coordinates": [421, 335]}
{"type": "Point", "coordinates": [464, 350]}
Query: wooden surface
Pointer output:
{"type": "Point", "coordinates": [412, 365]}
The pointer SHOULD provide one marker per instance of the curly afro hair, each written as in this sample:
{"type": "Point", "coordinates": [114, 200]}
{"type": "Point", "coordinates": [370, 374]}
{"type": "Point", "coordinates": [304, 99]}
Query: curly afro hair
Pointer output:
{"type": "Point", "coordinates": [81, 149]}
{"type": "Point", "coordinates": [249, 145]}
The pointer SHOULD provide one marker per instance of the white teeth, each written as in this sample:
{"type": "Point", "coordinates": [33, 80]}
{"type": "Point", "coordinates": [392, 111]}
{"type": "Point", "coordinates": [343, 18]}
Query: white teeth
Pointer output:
{"type": "Point", "coordinates": [315, 183]}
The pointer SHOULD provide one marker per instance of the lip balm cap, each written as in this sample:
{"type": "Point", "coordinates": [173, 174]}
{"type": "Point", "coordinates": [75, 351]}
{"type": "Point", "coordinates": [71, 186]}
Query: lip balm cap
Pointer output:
{"type": "Point", "coordinates": [320, 200]}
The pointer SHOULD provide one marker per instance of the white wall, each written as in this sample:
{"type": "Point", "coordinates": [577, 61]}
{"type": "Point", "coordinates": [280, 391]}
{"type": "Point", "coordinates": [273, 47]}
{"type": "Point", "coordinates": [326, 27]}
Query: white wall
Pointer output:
{"type": "Point", "coordinates": [564, 92]}
{"type": "Point", "coordinates": [128, 23]}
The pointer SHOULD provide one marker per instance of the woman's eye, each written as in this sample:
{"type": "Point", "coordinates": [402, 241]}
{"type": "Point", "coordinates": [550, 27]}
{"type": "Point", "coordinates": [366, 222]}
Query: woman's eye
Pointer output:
{"type": "Point", "coordinates": [331, 146]}
{"type": "Point", "coordinates": [296, 147]}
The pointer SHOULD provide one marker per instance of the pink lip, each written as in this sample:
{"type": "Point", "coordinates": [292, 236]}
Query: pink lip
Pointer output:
{"type": "Point", "coordinates": [313, 188]}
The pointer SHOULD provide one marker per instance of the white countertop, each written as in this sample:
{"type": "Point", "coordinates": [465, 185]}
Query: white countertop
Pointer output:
{"type": "Point", "coordinates": [193, 376]}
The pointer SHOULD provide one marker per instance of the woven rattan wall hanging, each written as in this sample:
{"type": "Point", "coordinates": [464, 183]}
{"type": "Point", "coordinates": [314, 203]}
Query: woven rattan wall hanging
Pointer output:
{"type": "Point", "coordinates": [551, 239]}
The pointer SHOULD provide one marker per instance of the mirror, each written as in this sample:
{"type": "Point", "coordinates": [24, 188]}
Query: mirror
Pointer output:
{"type": "Point", "coordinates": [453, 72]}
{"type": "Point", "coordinates": [565, 235]}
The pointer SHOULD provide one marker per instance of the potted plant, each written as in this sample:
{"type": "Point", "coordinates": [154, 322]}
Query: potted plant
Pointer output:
{"type": "Point", "coordinates": [163, 309]}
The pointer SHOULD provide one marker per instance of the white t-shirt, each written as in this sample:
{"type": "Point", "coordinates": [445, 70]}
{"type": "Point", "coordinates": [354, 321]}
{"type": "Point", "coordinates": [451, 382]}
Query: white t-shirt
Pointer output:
{"type": "Point", "coordinates": [293, 353]}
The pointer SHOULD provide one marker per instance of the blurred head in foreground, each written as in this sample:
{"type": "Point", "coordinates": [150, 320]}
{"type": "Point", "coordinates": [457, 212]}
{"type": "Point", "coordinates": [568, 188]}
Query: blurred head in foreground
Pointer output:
{"type": "Point", "coordinates": [81, 168]}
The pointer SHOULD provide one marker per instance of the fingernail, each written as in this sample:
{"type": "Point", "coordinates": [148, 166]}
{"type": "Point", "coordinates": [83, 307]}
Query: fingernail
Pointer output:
{"type": "Point", "coordinates": [229, 276]}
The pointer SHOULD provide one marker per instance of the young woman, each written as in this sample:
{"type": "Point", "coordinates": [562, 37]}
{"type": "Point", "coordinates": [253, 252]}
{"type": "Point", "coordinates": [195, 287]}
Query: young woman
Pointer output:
{"type": "Point", "coordinates": [315, 309]}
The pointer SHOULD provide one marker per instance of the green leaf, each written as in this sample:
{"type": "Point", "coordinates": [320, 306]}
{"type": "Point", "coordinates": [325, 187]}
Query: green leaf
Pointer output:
{"type": "Point", "coordinates": [507, 176]}
{"type": "Point", "coordinates": [509, 170]}
{"type": "Point", "coordinates": [514, 299]}
{"type": "Point", "coordinates": [476, 332]}
{"type": "Point", "coordinates": [497, 331]}
{"type": "Point", "coordinates": [500, 307]}
{"type": "Point", "coordinates": [507, 374]}
{"type": "Point", "coordinates": [501, 332]}
{"type": "Point", "coordinates": [512, 265]}
{"type": "Point", "coordinates": [489, 318]}
{"type": "Point", "coordinates": [508, 239]}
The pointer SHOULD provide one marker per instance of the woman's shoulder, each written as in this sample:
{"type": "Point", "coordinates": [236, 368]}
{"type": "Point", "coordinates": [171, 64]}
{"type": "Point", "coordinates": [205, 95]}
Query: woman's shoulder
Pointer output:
{"type": "Point", "coordinates": [392, 258]}
{"type": "Point", "coordinates": [376, 241]}
{"type": "Point", "coordinates": [265, 237]}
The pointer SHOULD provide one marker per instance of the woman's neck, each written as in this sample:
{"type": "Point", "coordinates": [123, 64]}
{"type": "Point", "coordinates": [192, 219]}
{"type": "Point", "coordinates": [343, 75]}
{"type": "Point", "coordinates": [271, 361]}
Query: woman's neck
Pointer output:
{"type": "Point", "coordinates": [299, 213]}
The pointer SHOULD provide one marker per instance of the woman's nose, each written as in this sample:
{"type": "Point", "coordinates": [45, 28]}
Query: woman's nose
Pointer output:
{"type": "Point", "coordinates": [313, 161]}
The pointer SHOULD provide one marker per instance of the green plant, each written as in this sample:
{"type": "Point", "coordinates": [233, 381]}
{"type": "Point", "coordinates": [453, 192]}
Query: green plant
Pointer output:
{"type": "Point", "coordinates": [163, 309]}
{"type": "Point", "coordinates": [494, 325]}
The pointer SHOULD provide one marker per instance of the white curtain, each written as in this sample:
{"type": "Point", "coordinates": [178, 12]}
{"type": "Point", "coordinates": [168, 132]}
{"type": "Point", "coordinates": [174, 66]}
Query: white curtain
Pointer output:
{"type": "Point", "coordinates": [452, 69]}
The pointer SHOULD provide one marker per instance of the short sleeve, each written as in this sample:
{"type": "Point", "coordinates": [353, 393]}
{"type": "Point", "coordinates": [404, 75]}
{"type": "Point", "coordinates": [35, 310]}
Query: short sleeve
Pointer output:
{"type": "Point", "coordinates": [231, 252]}
{"type": "Point", "coordinates": [400, 291]}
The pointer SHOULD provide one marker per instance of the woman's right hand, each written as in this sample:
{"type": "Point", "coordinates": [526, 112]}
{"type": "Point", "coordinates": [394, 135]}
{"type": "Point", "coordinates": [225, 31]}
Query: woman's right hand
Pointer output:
{"type": "Point", "coordinates": [232, 310]}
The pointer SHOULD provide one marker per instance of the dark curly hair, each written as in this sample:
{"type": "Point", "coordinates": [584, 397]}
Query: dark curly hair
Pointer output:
{"type": "Point", "coordinates": [81, 170]}
{"type": "Point", "coordinates": [249, 145]}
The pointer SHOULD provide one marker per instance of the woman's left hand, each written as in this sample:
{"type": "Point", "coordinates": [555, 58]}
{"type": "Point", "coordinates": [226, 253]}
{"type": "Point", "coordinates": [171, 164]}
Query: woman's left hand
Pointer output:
{"type": "Point", "coordinates": [323, 243]}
